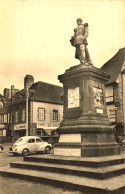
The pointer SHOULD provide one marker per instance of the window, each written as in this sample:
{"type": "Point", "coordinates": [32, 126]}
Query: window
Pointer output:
{"type": "Point", "coordinates": [41, 114]}
{"type": "Point", "coordinates": [38, 140]}
{"type": "Point", "coordinates": [1, 118]}
{"type": "Point", "coordinates": [1, 133]}
{"type": "Point", "coordinates": [11, 117]}
{"type": "Point", "coordinates": [16, 116]}
{"type": "Point", "coordinates": [23, 115]}
{"type": "Point", "coordinates": [5, 118]}
{"type": "Point", "coordinates": [31, 141]}
{"type": "Point", "coordinates": [55, 115]}
{"type": "Point", "coordinates": [1, 105]}
{"type": "Point", "coordinates": [109, 93]}
{"type": "Point", "coordinates": [4, 133]}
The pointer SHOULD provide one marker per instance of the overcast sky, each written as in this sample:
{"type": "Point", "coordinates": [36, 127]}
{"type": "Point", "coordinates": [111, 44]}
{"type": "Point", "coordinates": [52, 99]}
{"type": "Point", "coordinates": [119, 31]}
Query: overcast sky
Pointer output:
{"type": "Point", "coordinates": [35, 34]}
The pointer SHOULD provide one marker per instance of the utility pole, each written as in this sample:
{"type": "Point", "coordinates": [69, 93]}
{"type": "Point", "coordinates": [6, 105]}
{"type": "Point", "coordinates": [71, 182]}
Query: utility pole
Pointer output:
{"type": "Point", "coordinates": [27, 96]}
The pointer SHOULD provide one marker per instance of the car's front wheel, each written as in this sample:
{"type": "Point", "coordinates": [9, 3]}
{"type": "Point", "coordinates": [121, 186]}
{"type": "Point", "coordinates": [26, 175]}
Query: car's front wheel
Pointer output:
{"type": "Point", "coordinates": [47, 150]}
{"type": "Point", "coordinates": [25, 152]}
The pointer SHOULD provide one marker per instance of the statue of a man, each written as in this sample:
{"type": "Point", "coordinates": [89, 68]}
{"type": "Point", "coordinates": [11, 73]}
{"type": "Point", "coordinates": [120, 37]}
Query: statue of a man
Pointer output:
{"type": "Point", "coordinates": [79, 40]}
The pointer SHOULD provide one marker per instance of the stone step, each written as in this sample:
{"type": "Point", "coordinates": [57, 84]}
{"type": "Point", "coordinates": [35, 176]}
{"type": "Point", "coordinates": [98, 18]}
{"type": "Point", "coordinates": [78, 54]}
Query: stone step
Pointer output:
{"type": "Point", "coordinates": [111, 185]}
{"type": "Point", "coordinates": [93, 162]}
{"type": "Point", "coordinates": [98, 173]}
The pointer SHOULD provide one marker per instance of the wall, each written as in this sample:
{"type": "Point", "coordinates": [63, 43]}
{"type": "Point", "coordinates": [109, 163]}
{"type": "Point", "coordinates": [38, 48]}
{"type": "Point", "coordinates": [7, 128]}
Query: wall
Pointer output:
{"type": "Point", "coordinates": [123, 81]}
{"type": "Point", "coordinates": [34, 106]}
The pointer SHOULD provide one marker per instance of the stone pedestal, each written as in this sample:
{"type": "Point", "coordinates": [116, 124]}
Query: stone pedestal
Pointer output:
{"type": "Point", "coordinates": [85, 130]}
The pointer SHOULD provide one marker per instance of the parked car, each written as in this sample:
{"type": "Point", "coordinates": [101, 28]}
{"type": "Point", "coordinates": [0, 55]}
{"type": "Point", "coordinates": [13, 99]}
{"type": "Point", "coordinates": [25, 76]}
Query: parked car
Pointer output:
{"type": "Point", "coordinates": [30, 144]}
{"type": "Point", "coordinates": [49, 136]}
{"type": "Point", "coordinates": [1, 148]}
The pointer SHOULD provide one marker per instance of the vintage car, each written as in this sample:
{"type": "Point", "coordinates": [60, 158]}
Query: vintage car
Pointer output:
{"type": "Point", "coordinates": [49, 136]}
{"type": "Point", "coordinates": [30, 144]}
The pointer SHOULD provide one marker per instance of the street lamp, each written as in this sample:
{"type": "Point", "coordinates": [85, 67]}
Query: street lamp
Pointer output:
{"type": "Point", "coordinates": [27, 96]}
{"type": "Point", "coordinates": [27, 100]}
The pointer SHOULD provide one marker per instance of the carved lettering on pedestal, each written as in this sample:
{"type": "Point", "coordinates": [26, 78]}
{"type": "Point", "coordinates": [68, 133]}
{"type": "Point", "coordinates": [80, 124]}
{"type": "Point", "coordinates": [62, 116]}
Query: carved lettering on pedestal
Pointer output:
{"type": "Point", "coordinates": [67, 152]}
{"type": "Point", "coordinates": [73, 97]}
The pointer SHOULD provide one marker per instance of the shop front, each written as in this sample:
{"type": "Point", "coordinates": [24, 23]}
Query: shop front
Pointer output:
{"type": "Point", "coordinates": [19, 131]}
{"type": "Point", "coordinates": [47, 132]}
{"type": "Point", "coordinates": [3, 132]}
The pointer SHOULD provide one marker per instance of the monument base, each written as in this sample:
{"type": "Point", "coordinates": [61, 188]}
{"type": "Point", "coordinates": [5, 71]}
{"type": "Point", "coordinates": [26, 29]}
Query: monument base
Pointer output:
{"type": "Point", "coordinates": [85, 130]}
{"type": "Point", "coordinates": [91, 141]}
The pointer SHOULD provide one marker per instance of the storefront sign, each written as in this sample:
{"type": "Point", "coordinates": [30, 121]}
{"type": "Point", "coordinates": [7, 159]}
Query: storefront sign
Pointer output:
{"type": "Point", "coordinates": [40, 125]}
{"type": "Point", "coordinates": [111, 112]}
{"type": "Point", "coordinates": [20, 127]}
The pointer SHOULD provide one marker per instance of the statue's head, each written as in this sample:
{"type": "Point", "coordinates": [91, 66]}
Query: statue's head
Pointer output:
{"type": "Point", "coordinates": [79, 21]}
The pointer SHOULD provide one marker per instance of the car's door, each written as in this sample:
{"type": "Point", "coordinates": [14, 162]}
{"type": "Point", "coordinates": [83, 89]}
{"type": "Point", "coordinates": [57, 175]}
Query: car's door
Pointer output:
{"type": "Point", "coordinates": [39, 145]}
{"type": "Point", "coordinates": [31, 145]}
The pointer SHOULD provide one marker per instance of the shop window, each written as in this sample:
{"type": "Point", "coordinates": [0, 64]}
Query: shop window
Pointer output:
{"type": "Point", "coordinates": [23, 115]}
{"type": "Point", "coordinates": [5, 118]}
{"type": "Point", "coordinates": [16, 116]}
{"type": "Point", "coordinates": [41, 114]}
{"type": "Point", "coordinates": [55, 115]}
{"type": "Point", "coordinates": [1, 118]}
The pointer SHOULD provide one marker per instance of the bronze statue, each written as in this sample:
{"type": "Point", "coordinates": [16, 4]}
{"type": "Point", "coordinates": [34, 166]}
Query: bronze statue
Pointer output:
{"type": "Point", "coordinates": [79, 40]}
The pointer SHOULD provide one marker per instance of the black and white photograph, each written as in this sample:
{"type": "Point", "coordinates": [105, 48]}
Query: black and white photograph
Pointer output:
{"type": "Point", "coordinates": [62, 96]}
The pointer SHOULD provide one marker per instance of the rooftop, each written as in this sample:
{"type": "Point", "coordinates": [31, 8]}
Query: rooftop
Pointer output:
{"type": "Point", "coordinates": [114, 65]}
{"type": "Point", "coordinates": [42, 92]}
{"type": "Point", "coordinates": [46, 92]}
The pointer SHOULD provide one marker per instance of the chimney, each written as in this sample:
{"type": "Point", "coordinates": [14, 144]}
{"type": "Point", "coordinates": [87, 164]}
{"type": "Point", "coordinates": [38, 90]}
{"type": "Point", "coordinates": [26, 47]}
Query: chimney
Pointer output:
{"type": "Point", "coordinates": [6, 94]}
{"type": "Point", "coordinates": [29, 79]}
{"type": "Point", "coordinates": [12, 90]}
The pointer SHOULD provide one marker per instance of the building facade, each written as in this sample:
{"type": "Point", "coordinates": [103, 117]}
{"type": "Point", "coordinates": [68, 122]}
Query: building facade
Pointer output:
{"type": "Point", "coordinates": [115, 91]}
{"type": "Point", "coordinates": [45, 109]}
{"type": "Point", "coordinates": [4, 117]}
{"type": "Point", "coordinates": [3, 120]}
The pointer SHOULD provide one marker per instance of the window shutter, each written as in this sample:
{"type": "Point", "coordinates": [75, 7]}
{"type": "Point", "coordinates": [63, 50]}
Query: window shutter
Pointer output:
{"type": "Point", "coordinates": [38, 114]}
{"type": "Point", "coordinates": [51, 115]}
{"type": "Point", "coordinates": [44, 114]}
{"type": "Point", "coordinates": [58, 116]}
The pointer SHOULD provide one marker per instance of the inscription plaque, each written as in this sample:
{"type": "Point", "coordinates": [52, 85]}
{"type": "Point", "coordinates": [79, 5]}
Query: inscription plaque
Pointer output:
{"type": "Point", "coordinates": [67, 152]}
{"type": "Point", "coordinates": [70, 138]}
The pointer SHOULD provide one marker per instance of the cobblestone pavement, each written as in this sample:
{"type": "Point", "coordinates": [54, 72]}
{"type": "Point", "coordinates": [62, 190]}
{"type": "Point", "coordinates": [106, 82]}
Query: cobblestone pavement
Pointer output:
{"type": "Point", "coordinates": [16, 186]}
